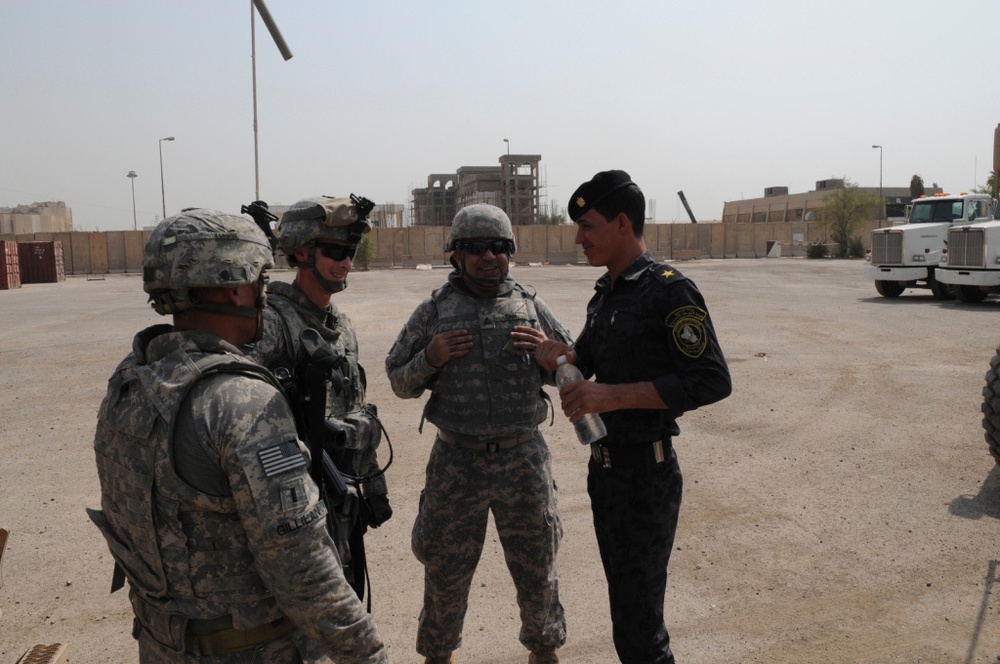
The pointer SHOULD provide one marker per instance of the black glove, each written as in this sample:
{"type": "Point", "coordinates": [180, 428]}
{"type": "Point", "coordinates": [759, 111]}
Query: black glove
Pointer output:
{"type": "Point", "coordinates": [378, 510]}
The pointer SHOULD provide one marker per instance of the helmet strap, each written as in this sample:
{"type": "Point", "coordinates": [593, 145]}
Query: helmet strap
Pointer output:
{"type": "Point", "coordinates": [327, 285]}
{"type": "Point", "coordinates": [482, 283]}
{"type": "Point", "coordinates": [256, 311]}
{"type": "Point", "coordinates": [227, 309]}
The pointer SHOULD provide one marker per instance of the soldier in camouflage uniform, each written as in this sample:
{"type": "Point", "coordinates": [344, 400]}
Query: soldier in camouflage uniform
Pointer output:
{"type": "Point", "coordinates": [470, 344]}
{"type": "Point", "coordinates": [319, 237]}
{"type": "Point", "coordinates": [650, 344]}
{"type": "Point", "coordinates": [207, 503]}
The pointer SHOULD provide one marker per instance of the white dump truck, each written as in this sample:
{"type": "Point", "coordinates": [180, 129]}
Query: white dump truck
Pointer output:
{"type": "Point", "coordinates": [907, 255]}
{"type": "Point", "coordinates": [971, 263]}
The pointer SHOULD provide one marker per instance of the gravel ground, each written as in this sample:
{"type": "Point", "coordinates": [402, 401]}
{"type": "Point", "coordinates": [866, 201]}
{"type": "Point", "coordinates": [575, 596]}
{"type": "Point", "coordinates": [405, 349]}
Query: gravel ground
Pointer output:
{"type": "Point", "coordinates": [841, 506]}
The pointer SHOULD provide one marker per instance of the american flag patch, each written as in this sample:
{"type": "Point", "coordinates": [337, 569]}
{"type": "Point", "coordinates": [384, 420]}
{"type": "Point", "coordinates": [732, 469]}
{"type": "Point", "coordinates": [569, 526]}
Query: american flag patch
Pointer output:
{"type": "Point", "coordinates": [281, 458]}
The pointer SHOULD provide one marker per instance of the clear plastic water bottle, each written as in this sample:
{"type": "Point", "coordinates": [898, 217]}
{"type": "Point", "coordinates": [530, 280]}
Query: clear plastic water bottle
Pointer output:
{"type": "Point", "coordinates": [589, 428]}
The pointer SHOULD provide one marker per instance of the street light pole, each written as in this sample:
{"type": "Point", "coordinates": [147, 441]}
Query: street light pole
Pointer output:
{"type": "Point", "coordinates": [132, 175]}
{"type": "Point", "coordinates": [880, 198]}
{"type": "Point", "coordinates": [507, 182]}
{"type": "Point", "coordinates": [279, 41]}
{"type": "Point", "coordinates": [163, 191]}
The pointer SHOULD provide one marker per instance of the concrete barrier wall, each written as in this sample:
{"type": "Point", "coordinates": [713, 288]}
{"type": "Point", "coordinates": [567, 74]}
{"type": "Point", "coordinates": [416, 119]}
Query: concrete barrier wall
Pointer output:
{"type": "Point", "coordinates": [121, 251]}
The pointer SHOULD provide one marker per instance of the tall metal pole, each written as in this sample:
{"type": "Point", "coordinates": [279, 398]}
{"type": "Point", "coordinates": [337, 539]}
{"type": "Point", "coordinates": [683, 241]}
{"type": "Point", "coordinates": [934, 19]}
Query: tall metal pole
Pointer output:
{"type": "Point", "coordinates": [163, 191]}
{"type": "Point", "coordinates": [881, 212]}
{"type": "Point", "coordinates": [253, 62]}
{"type": "Point", "coordinates": [132, 175]}
{"type": "Point", "coordinates": [279, 41]}
{"type": "Point", "coordinates": [507, 183]}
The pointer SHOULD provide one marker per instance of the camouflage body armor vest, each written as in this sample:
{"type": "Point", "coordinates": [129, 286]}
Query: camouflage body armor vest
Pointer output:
{"type": "Point", "coordinates": [346, 399]}
{"type": "Point", "coordinates": [492, 392]}
{"type": "Point", "coordinates": [184, 552]}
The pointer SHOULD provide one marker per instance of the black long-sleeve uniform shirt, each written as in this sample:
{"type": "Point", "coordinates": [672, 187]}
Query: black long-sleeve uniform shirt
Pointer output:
{"type": "Point", "coordinates": [652, 325]}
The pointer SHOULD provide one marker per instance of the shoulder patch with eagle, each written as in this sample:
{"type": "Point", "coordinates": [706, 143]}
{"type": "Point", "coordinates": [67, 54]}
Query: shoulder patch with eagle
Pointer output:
{"type": "Point", "coordinates": [687, 325]}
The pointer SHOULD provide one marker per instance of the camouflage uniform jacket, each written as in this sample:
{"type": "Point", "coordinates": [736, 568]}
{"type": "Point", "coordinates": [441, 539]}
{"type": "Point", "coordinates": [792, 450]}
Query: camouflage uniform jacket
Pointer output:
{"type": "Point", "coordinates": [492, 391]}
{"type": "Point", "coordinates": [255, 550]}
{"type": "Point", "coordinates": [289, 312]}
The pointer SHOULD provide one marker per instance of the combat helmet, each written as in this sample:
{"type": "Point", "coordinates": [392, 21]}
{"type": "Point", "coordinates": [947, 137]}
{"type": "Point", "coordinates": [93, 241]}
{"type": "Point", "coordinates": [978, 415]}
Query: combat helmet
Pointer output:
{"type": "Point", "coordinates": [201, 248]}
{"type": "Point", "coordinates": [323, 218]}
{"type": "Point", "coordinates": [320, 218]}
{"type": "Point", "coordinates": [480, 220]}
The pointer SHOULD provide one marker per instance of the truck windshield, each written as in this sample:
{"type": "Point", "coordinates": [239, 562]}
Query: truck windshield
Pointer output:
{"type": "Point", "coordinates": [925, 212]}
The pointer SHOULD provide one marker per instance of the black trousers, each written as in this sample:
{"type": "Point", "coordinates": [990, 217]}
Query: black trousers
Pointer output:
{"type": "Point", "coordinates": [635, 518]}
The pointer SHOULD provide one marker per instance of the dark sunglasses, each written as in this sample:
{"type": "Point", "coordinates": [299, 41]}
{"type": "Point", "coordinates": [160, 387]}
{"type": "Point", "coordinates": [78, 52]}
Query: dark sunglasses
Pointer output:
{"type": "Point", "coordinates": [479, 247]}
{"type": "Point", "coordinates": [337, 252]}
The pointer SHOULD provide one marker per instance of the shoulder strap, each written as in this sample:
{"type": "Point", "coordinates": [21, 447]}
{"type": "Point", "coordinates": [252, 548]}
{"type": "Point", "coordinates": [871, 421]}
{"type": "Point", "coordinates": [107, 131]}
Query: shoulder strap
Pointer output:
{"type": "Point", "coordinates": [221, 363]}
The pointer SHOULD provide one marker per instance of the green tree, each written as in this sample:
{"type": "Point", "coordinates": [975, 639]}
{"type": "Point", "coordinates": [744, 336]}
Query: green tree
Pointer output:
{"type": "Point", "coordinates": [916, 186]}
{"type": "Point", "coordinates": [844, 210]}
{"type": "Point", "coordinates": [989, 187]}
{"type": "Point", "coordinates": [551, 219]}
{"type": "Point", "coordinates": [365, 255]}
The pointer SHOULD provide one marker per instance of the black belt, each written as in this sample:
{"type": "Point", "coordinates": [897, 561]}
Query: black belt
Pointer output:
{"type": "Point", "coordinates": [630, 456]}
{"type": "Point", "coordinates": [479, 444]}
{"type": "Point", "coordinates": [231, 640]}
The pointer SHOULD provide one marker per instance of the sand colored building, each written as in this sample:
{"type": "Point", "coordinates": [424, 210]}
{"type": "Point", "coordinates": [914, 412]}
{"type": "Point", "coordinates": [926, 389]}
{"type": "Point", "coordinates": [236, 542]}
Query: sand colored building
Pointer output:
{"type": "Point", "coordinates": [47, 217]}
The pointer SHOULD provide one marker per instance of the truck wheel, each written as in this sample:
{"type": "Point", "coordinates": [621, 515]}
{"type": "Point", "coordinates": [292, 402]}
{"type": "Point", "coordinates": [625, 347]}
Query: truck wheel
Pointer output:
{"type": "Point", "coordinates": [968, 293]}
{"type": "Point", "coordinates": [941, 291]}
{"type": "Point", "coordinates": [889, 288]}
{"type": "Point", "coordinates": [991, 406]}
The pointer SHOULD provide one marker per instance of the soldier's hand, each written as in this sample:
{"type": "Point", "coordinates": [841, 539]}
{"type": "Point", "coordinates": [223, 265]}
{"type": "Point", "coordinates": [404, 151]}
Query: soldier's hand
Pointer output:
{"type": "Point", "coordinates": [582, 397]}
{"type": "Point", "coordinates": [526, 339]}
{"type": "Point", "coordinates": [446, 346]}
{"type": "Point", "coordinates": [549, 350]}
{"type": "Point", "coordinates": [379, 510]}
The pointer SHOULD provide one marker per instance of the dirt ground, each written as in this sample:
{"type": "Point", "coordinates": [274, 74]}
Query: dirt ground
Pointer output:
{"type": "Point", "coordinates": [841, 506]}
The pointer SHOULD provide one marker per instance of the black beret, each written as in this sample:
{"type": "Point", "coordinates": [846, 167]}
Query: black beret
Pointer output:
{"type": "Point", "coordinates": [589, 194]}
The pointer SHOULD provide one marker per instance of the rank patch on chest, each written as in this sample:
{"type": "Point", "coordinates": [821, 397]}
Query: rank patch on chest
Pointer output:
{"type": "Point", "coordinates": [280, 458]}
{"type": "Point", "coordinates": [687, 325]}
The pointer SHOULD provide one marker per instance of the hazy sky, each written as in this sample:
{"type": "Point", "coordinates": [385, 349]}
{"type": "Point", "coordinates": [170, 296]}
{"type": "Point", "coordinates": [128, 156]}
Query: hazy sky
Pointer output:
{"type": "Point", "coordinates": [718, 98]}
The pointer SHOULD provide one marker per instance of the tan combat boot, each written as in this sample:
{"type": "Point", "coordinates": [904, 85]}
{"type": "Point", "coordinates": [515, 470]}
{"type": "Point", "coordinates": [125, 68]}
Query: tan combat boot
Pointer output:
{"type": "Point", "coordinates": [441, 659]}
{"type": "Point", "coordinates": [546, 655]}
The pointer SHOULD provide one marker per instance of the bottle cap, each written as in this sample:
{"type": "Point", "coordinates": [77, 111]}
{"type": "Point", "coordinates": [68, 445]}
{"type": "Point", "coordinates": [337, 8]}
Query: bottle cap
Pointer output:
{"type": "Point", "coordinates": [561, 360]}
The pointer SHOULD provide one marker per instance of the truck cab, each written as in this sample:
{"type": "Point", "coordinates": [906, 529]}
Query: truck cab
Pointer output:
{"type": "Point", "coordinates": [970, 265]}
{"type": "Point", "coordinates": [907, 255]}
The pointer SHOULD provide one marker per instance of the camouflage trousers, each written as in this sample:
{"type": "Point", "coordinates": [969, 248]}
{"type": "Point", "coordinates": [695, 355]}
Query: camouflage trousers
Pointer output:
{"type": "Point", "coordinates": [635, 520]}
{"type": "Point", "coordinates": [462, 488]}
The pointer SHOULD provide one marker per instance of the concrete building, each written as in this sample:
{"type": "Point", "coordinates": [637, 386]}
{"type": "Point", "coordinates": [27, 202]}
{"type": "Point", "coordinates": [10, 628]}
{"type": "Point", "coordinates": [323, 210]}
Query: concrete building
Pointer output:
{"type": "Point", "coordinates": [47, 217]}
{"type": "Point", "coordinates": [513, 186]}
{"type": "Point", "coordinates": [387, 215]}
{"type": "Point", "coordinates": [434, 205]}
{"type": "Point", "coordinates": [778, 205]}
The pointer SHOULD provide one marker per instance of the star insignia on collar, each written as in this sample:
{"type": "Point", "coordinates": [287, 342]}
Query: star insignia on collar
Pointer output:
{"type": "Point", "coordinates": [668, 273]}
{"type": "Point", "coordinates": [580, 202]}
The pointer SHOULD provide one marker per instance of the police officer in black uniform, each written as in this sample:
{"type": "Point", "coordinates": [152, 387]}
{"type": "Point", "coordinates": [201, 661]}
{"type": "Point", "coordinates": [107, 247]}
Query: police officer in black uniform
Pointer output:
{"type": "Point", "coordinates": [650, 344]}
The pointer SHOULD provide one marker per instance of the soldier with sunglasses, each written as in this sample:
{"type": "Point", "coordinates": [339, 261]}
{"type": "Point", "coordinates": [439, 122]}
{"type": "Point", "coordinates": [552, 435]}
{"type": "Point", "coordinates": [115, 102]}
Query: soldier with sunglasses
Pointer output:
{"type": "Point", "coordinates": [207, 505]}
{"type": "Point", "coordinates": [319, 237]}
{"type": "Point", "coordinates": [471, 344]}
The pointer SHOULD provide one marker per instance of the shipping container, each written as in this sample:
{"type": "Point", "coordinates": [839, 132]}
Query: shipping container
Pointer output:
{"type": "Point", "coordinates": [41, 262]}
{"type": "Point", "coordinates": [10, 271]}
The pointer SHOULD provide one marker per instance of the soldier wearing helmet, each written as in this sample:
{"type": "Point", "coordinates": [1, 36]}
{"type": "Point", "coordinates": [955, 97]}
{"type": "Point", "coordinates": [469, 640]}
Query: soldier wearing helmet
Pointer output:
{"type": "Point", "coordinates": [207, 505]}
{"type": "Point", "coordinates": [319, 236]}
{"type": "Point", "coordinates": [471, 345]}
